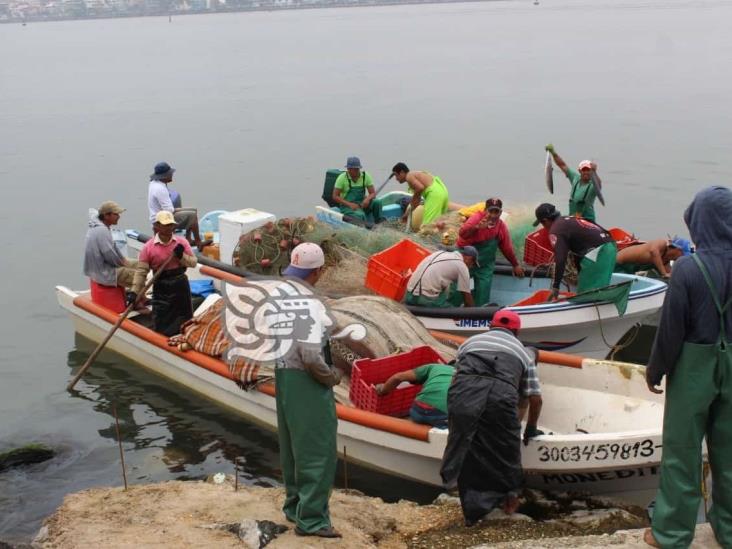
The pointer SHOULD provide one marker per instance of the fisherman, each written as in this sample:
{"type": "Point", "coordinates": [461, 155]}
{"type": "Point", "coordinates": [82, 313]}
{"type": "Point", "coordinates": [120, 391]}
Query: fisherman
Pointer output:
{"type": "Point", "coordinates": [495, 383]}
{"type": "Point", "coordinates": [442, 279]}
{"type": "Point", "coordinates": [692, 350]}
{"type": "Point", "coordinates": [430, 404]}
{"type": "Point", "coordinates": [306, 419]}
{"type": "Point", "coordinates": [423, 185]}
{"type": "Point", "coordinates": [103, 262]}
{"type": "Point", "coordinates": [159, 199]}
{"type": "Point", "coordinates": [354, 192]}
{"type": "Point", "coordinates": [171, 292]}
{"type": "Point", "coordinates": [652, 255]}
{"type": "Point", "coordinates": [487, 232]}
{"type": "Point", "coordinates": [583, 193]}
{"type": "Point", "coordinates": [592, 245]}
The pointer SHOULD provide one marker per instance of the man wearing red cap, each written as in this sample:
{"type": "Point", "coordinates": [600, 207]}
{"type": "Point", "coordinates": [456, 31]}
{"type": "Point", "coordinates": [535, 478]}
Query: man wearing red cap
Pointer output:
{"type": "Point", "coordinates": [583, 193]}
{"type": "Point", "coordinates": [487, 232]}
{"type": "Point", "coordinates": [495, 382]}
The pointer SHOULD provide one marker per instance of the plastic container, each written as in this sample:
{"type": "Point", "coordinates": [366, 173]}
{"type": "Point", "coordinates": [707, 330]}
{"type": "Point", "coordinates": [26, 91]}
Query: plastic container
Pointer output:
{"type": "Point", "coordinates": [622, 238]}
{"type": "Point", "coordinates": [234, 224]}
{"type": "Point", "coordinates": [538, 297]}
{"type": "Point", "coordinates": [110, 297]}
{"type": "Point", "coordinates": [212, 251]}
{"type": "Point", "coordinates": [389, 271]}
{"type": "Point", "coordinates": [368, 372]}
{"type": "Point", "coordinates": [537, 248]}
{"type": "Point", "coordinates": [210, 221]}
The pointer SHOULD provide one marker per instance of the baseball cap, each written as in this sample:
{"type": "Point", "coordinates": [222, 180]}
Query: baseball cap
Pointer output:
{"type": "Point", "coordinates": [505, 318]}
{"type": "Point", "coordinates": [353, 162]}
{"type": "Point", "coordinates": [110, 207]}
{"type": "Point", "coordinates": [164, 217]}
{"type": "Point", "coordinates": [470, 251]}
{"type": "Point", "coordinates": [682, 244]}
{"type": "Point", "coordinates": [585, 165]}
{"type": "Point", "coordinates": [545, 211]}
{"type": "Point", "coordinates": [494, 204]}
{"type": "Point", "coordinates": [304, 259]}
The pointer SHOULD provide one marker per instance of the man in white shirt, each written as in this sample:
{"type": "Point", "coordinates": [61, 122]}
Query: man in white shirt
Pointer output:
{"type": "Point", "coordinates": [442, 279]}
{"type": "Point", "coordinates": [158, 199]}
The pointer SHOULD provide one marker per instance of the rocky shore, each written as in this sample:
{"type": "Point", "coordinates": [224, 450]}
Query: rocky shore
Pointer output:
{"type": "Point", "coordinates": [197, 514]}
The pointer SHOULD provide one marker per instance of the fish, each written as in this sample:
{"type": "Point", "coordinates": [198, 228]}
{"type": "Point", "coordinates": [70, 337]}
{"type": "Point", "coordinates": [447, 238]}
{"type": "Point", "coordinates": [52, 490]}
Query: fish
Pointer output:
{"type": "Point", "coordinates": [548, 169]}
{"type": "Point", "coordinates": [597, 183]}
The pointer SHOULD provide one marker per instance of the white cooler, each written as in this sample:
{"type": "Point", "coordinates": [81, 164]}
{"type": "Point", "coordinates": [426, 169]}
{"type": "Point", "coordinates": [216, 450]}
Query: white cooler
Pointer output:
{"type": "Point", "coordinates": [234, 224]}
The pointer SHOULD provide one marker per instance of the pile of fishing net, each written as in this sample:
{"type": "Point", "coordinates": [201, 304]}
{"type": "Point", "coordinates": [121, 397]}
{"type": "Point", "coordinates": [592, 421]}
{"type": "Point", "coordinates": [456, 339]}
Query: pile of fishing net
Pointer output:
{"type": "Point", "coordinates": [390, 329]}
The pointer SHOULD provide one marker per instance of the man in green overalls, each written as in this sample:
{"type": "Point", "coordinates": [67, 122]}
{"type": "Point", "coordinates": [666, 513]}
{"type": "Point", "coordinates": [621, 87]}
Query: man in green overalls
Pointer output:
{"type": "Point", "coordinates": [486, 231]}
{"type": "Point", "coordinates": [306, 418]}
{"type": "Point", "coordinates": [692, 350]}
{"type": "Point", "coordinates": [354, 193]}
{"type": "Point", "coordinates": [582, 194]}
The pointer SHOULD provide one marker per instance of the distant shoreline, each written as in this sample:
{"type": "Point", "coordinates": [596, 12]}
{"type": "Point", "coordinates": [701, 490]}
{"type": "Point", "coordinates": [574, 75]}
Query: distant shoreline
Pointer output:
{"type": "Point", "coordinates": [316, 5]}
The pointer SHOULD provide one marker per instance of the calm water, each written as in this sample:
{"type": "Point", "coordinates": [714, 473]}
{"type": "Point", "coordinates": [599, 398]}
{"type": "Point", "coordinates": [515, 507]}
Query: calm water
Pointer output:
{"type": "Point", "coordinates": [251, 108]}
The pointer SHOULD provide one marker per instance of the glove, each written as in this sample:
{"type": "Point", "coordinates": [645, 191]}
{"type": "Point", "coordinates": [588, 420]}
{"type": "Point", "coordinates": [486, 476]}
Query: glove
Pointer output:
{"type": "Point", "coordinates": [549, 148]}
{"type": "Point", "coordinates": [530, 432]}
{"type": "Point", "coordinates": [130, 298]}
{"type": "Point", "coordinates": [178, 251]}
{"type": "Point", "coordinates": [554, 294]}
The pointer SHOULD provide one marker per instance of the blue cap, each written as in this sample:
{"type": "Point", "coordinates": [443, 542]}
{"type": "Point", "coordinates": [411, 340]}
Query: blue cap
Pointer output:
{"type": "Point", "coordinates": [470, 251]}
{"type": "Point", "coordinates": [162, 169]}
{"type": "Point", "coordinates": [682, 244]}
{"type": "Point", "coordinates": [353, 162]}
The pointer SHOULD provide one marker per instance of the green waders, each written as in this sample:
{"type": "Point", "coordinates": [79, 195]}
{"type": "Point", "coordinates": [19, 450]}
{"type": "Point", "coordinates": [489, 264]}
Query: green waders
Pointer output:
{"type": "Point", "coordinates": [448, 298]}
{"type": "Point", "coordinates": [597, 273]}
{"type": "Point", "coordinates": [581, 201]}
{"type": "Point", "coordinates": [698, 402]}
{"type": "Point", "coordinates": [306, 426]}
{"type": "Point", "coordinates": [632, 268]}
{"type": "Point", "coordinates": [483, 275]}
{"type": "Point", "coordinates": [356, 195]}
{"type": "Point", "coordinates": [436, 200]}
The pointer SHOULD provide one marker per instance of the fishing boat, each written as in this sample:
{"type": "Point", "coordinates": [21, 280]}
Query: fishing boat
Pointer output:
{"type": "Point", "coordinates": [604, 426]}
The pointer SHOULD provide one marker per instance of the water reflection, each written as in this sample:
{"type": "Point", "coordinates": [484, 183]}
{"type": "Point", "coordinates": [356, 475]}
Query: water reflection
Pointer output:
{"type": "Point", "coordinates": [166, 426]}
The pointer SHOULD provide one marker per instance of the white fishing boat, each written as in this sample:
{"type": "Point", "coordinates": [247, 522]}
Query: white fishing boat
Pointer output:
{"type": "Point", "coordinates": [604, 426]}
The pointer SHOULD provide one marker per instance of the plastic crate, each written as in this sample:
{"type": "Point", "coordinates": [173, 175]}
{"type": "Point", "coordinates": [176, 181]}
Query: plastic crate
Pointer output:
{"type": "Point", "coordinates": [537, 248]}
{"type": "Point", "coordinates": [389, 271]}
{"type": "Point", "coordinates": [367, 372]}
{"type": "Point", "coordinates": [622, 238]}
{"type": "Point", "coordinates": [538, 297]}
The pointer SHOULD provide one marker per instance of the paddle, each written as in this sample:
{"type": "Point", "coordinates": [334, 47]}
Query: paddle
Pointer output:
{"type": "Point", "coordinates": [381, 187]}
{"type": "Point", "coordinates": [119, 322]}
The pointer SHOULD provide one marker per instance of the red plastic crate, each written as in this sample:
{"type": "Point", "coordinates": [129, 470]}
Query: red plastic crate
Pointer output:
{"type": "Point", "coordinates": [368, 372]}
{"type": "Point", "coordinates": [622, 238]}
{"type": "Point", "coordinates": [389, 271]}
{"type": "Point", "coordinates": [111, 297]}
{"type": "Point", "coordinates": [537, 248]}
{"type": "Point", "coordinates": [539, 296]}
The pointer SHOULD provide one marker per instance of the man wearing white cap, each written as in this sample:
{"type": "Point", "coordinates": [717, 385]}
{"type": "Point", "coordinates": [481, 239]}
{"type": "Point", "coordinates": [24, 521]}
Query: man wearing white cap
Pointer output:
{"type": "Point", "coordinates": [171, 292]}
{"type": "Point", "coordinates": [306, 419]}
{"type": "Point", "coordinates": [583, 193]}
{"type": "Point", "coordinates": [103, 262]}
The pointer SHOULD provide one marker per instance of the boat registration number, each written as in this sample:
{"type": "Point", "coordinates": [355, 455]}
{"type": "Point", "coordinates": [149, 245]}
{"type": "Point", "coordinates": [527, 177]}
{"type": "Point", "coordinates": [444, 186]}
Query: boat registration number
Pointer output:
{"type": "Point", "coordinates": [598, 452]}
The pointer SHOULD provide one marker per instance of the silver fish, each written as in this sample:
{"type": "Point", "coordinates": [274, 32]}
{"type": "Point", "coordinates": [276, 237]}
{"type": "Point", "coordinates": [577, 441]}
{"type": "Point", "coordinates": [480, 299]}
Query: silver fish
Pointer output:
{"type": "Point", "coordinates": [598, 187]}
{"type": "Point", "coordinates": [548, 169]}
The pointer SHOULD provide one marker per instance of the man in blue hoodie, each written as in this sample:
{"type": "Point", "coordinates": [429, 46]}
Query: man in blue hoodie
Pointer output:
{"type": "Point", "coordinates": [692, 350]}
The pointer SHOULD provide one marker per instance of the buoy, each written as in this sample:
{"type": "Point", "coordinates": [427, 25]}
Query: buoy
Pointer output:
{"type": "Point", "coordinates": [295, 242]}
{"type": "Point", "coordinates": [257, 237]}
{"type": "Point", "coordinates": [284, 244]}
{"type": "Point", "coordinates": [265, 262]}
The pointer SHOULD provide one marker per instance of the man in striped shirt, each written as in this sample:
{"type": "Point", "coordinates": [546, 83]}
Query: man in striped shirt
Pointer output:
{"type": "Point", "coordinates": [495, 383]}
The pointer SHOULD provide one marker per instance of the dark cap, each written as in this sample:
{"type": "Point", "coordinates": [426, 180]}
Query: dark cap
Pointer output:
{"type": "Point", "coordinates": [470, 251]}
{"type": "Point", "coordinates": [162, 169]}
{"type": "Point", "coordinates": [493, 204]}
{"type": "Point", "coordinates": [545, 211]}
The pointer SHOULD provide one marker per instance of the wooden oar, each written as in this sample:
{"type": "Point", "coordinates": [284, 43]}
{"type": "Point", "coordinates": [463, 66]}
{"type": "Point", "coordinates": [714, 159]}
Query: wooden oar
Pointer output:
{"type": "Point", "coordinates": [119, 322]}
